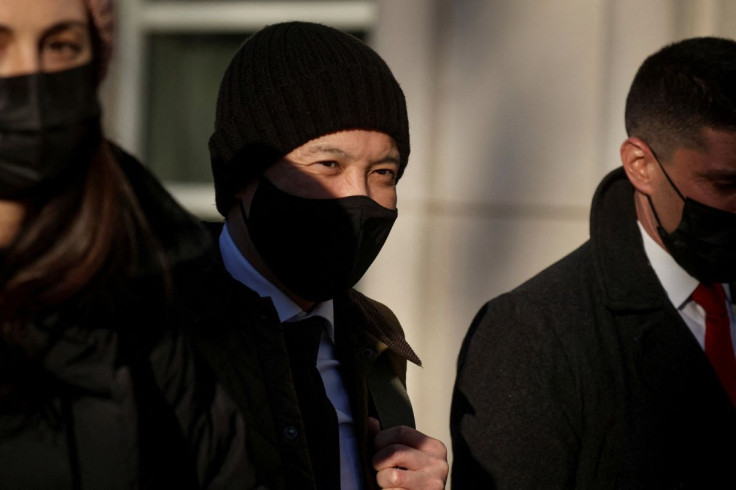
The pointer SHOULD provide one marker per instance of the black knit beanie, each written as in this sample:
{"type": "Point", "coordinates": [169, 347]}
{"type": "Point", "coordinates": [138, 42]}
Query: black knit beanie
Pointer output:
{"type": "Point", "coordinates": [290, 83]}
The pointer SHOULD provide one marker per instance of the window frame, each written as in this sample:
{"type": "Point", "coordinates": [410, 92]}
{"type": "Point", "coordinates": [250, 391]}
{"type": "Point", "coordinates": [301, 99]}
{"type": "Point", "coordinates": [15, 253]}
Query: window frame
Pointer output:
{"type": "Point", "coordinates": [137, 19]}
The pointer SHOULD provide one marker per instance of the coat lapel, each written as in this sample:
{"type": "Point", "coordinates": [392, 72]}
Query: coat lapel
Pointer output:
{"type": "Point", "coordinates": [372, 349]}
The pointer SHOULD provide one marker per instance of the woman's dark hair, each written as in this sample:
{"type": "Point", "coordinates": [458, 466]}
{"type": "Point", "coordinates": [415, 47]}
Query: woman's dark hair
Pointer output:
{"type": "Point", "coordinates": [71, 242]}
{"type": "Point", "coordinates": [87, 236]}
{"type": "Point", "coordinates": [680, 90]}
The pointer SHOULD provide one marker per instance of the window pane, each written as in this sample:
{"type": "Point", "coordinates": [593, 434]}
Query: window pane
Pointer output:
{"type": "Point", "coordinates": [184, 73]}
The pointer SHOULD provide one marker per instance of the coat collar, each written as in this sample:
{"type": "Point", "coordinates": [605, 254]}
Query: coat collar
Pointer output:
{"type": "Point", "coordinates": [621, 267]}
{"type": "Point", "coordinates": [376, 321]}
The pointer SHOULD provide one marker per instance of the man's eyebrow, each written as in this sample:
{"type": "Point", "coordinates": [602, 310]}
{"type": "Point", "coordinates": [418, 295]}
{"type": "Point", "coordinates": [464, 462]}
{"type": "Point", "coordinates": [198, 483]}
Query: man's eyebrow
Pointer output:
{"type": "Point", "coordinates": [333, 150]}
{"type": "Point", "coordinates": [716, 173]}
{"type": "Point", "coordinates": [389, 159]}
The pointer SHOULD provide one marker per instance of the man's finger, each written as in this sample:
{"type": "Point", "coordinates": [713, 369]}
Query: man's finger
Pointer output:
{"type": "Point", "coordinates": [407, 436]}
{"type": "Point", "coordinates": [394, 478]}
{"type": "Point", "coordinates": [374, 427]}
{"type": "Point", "coordinates": [398, 455]}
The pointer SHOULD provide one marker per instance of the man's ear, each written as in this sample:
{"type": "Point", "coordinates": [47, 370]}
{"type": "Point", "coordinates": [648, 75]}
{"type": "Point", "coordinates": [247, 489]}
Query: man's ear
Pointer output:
{"type": "Point", "coordinates": [639, 164]}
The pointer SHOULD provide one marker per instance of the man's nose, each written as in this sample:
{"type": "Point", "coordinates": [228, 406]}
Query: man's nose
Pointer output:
{"type": "Point", "coordinates": [356, 185]}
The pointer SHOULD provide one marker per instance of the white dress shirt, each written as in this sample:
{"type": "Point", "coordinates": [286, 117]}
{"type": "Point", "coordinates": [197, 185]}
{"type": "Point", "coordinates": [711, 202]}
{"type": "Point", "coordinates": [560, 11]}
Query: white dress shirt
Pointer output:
{"type": "Point", "coordinates": [679, 285]}
{"type": "Point", "coordinates": [327, 364]}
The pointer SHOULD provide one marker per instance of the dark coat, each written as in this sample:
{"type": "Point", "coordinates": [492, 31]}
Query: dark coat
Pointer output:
{"type": "Point", "coordinates": [587, 377]}
{"type": "Point", "coordinates": [244, 342]}
{"type": "Point", "coordinates": [116, 400]}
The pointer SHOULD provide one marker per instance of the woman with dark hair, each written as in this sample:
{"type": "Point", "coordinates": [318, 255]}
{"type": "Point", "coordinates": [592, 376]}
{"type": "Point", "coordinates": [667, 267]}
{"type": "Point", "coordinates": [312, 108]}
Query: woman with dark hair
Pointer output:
{"type": "Point", "coordinates": [98, 387]}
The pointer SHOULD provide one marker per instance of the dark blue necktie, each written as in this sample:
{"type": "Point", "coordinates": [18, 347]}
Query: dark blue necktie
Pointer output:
{"type": "Point", "coordinates": [318, 414]}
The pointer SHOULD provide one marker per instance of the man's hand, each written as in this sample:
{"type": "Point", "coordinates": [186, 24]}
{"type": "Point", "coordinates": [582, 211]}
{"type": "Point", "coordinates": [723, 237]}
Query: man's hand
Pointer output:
{"type": "Point", "coordinates": [407, 459]}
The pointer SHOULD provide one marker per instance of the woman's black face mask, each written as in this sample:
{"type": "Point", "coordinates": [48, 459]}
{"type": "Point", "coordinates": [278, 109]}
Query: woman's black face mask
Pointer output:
{"type": "Point", "coordinates": [49, 129]}
{"type": "Point", "coordinates": [316, 247]}
{"type": "Point", "coordinates": [704, 243]}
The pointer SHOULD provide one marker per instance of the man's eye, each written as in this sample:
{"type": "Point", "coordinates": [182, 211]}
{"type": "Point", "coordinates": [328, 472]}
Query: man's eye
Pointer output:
{"type": "Point", "coordinates": [386, 175]}
{"type": "Point", "coordinates": [725, 187]}
{"type": "Point", "coordinates": [328, 164]}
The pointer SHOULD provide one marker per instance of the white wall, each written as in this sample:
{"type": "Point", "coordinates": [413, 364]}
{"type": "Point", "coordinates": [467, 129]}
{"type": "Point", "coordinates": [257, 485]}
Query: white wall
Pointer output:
{"type": "Point", "coordinates": [516, 113]}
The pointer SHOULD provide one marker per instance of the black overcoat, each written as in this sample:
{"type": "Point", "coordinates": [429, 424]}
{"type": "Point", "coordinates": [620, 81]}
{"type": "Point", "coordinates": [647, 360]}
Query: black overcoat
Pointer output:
{"type": "Point", "coordinates": [586, 377]}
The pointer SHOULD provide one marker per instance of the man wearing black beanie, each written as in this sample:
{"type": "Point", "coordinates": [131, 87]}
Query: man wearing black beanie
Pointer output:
{"type": "Point", "coordinates": [311, 136]}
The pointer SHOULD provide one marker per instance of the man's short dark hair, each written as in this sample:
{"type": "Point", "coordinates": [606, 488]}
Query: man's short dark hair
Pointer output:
{"type": "Point", "coordinates": [680, 90]}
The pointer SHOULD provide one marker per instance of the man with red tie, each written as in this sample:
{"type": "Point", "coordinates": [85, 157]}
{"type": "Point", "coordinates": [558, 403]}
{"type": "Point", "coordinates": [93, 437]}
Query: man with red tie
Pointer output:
{"type": "Point", "coordinates": [614, 368]}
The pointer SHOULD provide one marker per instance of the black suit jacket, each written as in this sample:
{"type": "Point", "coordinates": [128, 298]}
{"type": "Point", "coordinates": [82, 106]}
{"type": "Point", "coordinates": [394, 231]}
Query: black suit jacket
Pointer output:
{"type": "Point", "coordinates": [587, 377]}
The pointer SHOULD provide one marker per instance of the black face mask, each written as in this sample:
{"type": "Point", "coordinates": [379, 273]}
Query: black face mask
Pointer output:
{"type": "Point", "coordinates": [704, 243]}
{"type": "Point", "coordinates": [49, 128]}
{"type": "Point", "coordinates": [316, 247]}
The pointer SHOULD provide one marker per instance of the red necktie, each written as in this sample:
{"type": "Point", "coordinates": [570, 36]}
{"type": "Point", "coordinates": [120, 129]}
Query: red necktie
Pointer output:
{"type": "Point", "coordinates": [718, 343]}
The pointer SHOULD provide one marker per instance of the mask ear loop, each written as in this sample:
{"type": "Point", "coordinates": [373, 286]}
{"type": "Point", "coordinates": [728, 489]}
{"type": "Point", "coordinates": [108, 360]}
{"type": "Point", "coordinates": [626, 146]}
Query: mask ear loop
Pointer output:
{"type": "Point", "coordinates": [656, 159]}
{"type": "Point", "coordinates": [649, 198]}
{"type": "Point", "coordinates": [656, 216]}
{"type": "Point", "coordinates": [243, 214]}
